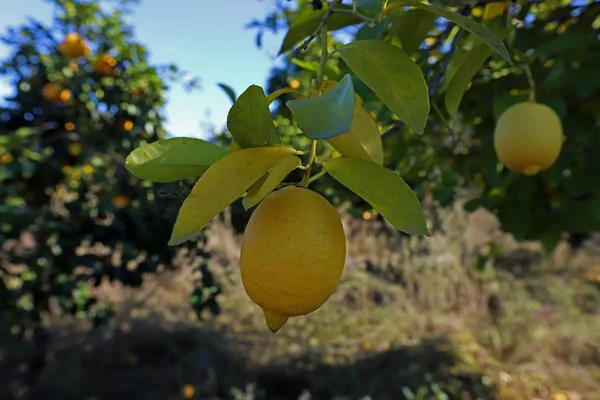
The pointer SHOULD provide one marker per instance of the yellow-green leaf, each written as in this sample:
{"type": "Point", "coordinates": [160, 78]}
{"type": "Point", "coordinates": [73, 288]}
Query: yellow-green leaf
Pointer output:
{"type": "Point", "coordinates": [233, 147]}
{"type": "Point", "coordinates": [363, 140]}
{"type": "Point", "coordinates": [393, 76]}
{"type": "Point", "coordinates": [271, 98]}
{"type": "Point", "coordinates": [223, 183]}
{"type": "Point", "coordinates": [385, 190]}
{"type": "Point", "coordinates": [274, 177]}
{"type": "Point", "coordinates": [173, 159]}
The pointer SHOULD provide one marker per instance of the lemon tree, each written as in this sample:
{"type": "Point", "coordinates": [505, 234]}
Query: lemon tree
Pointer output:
{"type": "Point", "coordinates": [470, 86]}
{"type": "Point", "coordinates": [293, 250]}
{"type": "Point", "coordinates": [84, 95]}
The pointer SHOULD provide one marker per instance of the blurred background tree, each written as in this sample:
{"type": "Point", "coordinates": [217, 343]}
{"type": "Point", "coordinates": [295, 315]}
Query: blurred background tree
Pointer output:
{"type": "Point", "coordinates": [85, 96]}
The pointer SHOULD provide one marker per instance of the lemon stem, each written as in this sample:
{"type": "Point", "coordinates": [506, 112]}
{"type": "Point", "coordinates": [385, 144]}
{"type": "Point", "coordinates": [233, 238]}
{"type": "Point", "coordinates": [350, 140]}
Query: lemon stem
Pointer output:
{"type": "Point", "coordinates": [311, 160]}
{"type": "Point", "coordinates": [322, 65]}
{"type": "Point", "coordinates": [531, 82]}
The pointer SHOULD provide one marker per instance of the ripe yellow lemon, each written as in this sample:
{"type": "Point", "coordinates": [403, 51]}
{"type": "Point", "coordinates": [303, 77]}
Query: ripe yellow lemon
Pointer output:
{"type": "Point", "coordinates": [528, 138]}
{"type": "Point", "coordinates": [292, 254]}
{"type": "Point", "coordinates": [105, 64]}
{"type": "Point", "coordinates": [74, 46]}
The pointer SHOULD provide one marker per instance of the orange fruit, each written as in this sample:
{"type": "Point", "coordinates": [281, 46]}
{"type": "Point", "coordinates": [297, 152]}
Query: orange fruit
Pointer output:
{"type": "Point", "coordinates": [105, 64]}
{"type": "Point", "coordinates": [74, 46]}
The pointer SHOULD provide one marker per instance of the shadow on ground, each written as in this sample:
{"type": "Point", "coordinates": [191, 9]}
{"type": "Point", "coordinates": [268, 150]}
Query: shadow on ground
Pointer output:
{"type": "Point", "coordinates": [149, 362]}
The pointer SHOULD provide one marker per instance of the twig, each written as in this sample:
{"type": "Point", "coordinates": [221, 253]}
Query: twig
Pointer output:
{"type": "Point", "coordinates": [317, 31]}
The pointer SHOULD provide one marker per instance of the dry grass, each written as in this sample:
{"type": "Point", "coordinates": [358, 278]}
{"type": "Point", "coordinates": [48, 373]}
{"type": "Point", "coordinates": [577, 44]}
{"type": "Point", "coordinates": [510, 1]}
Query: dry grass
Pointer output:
{"type": "Point", "coordinates": [409, 313]}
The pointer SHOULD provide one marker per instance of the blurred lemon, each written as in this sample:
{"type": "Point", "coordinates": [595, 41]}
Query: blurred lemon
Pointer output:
{"type": "Point", "coordinates": [295, 84]}
{"type": "Point", "coordinates": [528, 138]}
{"type": "Point", "coordinates": [6, 159]}
{"type": "Point", "coordinates": [105, 64]}
{"type": "Point", "coordinates": [430, 41]}
{"type": "Point", "coordinates": [65, 95]}
{"type": "Point", "coordinates": [188, 391]}
{"type": "Point", "coordinates": [51, 91]}
{"type": "Point", "coordinates": [74, 149]}
{"type": "Point", "coordinates": [292, 254]}
{"type": "Point", "coordinates": [70, 126]}
{"type": "Point", "coordinates": [120, 201]}
{"type": "Point", "coordinates": [127, 125]}
{"type": "Point", "coordinates": [74, 46]}
{"type": "Point", "coordinates": [88, 169]}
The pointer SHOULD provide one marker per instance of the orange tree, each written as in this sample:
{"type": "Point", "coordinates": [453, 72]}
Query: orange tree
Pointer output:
{"type": "Point", "coordinates": [70, 214]}
{"type": "Point", "coordinates": [553, 55]}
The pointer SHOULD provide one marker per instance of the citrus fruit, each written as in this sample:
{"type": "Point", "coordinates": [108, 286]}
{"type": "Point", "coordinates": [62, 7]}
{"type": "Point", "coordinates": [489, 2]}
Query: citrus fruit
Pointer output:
{"type": "Point", "coordinates": [74, 46]}
{"type": "Point", "coordinates": [292, 254]}
{"type": "Point", "coordinates": [105, 64]}
{"type": "Point", "coordinates": [528, 138]}
{"type": "Point", "coordinates": [51, 91]}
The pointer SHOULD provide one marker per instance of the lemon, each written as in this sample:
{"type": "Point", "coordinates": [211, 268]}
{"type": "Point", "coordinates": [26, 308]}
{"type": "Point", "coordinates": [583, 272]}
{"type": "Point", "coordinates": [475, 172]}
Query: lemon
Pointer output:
{"type": "Point", "coordinates": [292, 254]}
{"type": "Point", "coordinates": [528, 138]}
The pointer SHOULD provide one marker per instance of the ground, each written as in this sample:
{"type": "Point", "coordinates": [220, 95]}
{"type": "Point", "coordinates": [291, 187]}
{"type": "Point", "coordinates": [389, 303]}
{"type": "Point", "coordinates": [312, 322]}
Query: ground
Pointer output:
{"type": "Point", "coordinates": [412, 318]}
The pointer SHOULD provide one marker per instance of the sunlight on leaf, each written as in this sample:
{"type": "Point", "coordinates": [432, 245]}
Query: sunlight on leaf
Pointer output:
{"type": "Point", "coordinates": [272, 179]}
{"type": "Point", "coordinates": [385, 190]}
{"type": "Point", "coordinates": [222, 184]}
{"type": "Point", "coordinates": [250, 122]}
{"type": "Point", "coordinates": [393, 76]}
{"type": "Point", "coordinates": [173, 159]}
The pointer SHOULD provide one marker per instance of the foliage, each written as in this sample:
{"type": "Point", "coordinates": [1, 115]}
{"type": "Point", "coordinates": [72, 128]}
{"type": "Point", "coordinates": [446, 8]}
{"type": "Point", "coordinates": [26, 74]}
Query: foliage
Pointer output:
{"type": "Point", "coordinates": [551, 46]}
{"type": "Point", "coordinates": [70, 213]}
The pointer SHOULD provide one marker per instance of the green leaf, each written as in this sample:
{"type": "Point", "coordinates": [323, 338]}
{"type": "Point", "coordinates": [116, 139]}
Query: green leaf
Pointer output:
{"type": "Point", "coordinates": [467, 44]}
{"type": "Point", "coordinates": [385, 190]}
{"type": "Point", "coordinates": [222, 184]}
{"type": "Point", "coordinates": [173, 159]}
{"type": "Point", "coordinates": [327, 115]}
{"type": "Point", "coordinates": [374, 33]}
{"type": "Point", "coordinates": [274, 177]}
{"type": "Point", "coordinates": [250, 121]}
{"type": "Point", "coordinates": [461, 79]}
{"type": "Point", "coordinates": [308, 21]}
{"type": "Point", "coordinates": [370, 7]}
{"type": "Point", "coordinates": [464, 22]}
{"type": "Point", "coordinates": [412, 28]}
{"type": "Point", "coordinates": [393, 76]}
{"type": "Point", "coordinates": [229, 91]}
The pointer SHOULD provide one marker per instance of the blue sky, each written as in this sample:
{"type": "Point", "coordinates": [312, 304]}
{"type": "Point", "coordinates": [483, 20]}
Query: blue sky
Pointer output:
{"type": "Point", "coordinates": [205, 37]}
